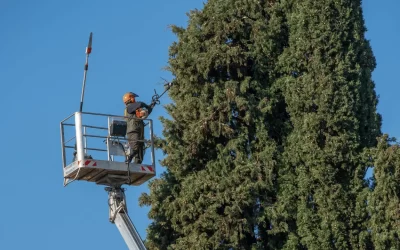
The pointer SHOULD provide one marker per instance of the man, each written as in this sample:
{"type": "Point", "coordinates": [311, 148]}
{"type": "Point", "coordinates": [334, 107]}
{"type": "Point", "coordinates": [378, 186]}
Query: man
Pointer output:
{"type": "Point", "coordinates": [135, 126]}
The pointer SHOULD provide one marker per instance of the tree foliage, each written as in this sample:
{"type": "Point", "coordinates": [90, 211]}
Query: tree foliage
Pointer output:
{"type": "Point", "coordinates": [227, 123]}
{"type": "Point", "coordinates": [384, 203]}
{"type": "Point", "coordinates": [330, 98]}
{"type": "Point", "coordinates": [272, 129]}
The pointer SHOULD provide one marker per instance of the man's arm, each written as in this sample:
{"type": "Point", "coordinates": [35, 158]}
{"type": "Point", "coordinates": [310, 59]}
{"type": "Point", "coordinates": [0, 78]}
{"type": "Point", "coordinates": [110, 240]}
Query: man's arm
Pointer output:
{"type": "Point", "coordinates": [132, 107]}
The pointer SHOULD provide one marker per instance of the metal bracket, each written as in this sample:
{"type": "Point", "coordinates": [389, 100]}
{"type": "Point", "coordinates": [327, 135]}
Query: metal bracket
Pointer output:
{"type": "Point", "coordinates": [116, 202]}
{"type": "Point", "coordinates": [118, 215]}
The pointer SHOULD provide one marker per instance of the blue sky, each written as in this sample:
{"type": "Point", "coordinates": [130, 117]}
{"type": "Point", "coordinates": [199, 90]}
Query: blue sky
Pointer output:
{"type": "Point", "coordinates": [41, 68]}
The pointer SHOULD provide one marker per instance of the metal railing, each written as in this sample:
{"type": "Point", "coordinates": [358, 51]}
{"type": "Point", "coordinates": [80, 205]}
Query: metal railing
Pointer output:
{"type": "Point", "coordinates": [82, 133]}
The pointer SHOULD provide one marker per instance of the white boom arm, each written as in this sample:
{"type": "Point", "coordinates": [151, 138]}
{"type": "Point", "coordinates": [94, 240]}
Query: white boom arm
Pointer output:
{"type": "Point", "coordinates": [119, 216]}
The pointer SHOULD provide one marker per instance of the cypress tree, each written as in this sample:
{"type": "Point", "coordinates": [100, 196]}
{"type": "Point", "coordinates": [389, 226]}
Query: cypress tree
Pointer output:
{"type": "Point", "coordinates": [272, 122]}
{"type": "Point", "coordinates": [227, 125]}
{"type": "Point", "coordinates": [330, 98]}
{"type": "Point", "coordinates": [384, 203]}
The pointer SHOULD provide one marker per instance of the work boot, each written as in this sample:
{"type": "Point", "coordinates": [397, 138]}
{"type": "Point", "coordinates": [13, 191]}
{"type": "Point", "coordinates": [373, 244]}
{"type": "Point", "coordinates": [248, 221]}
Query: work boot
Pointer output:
{"type": "Point", "coordinates": [138, 160]}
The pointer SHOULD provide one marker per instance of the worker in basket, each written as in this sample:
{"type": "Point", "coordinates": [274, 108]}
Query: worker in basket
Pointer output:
{"type": "Point", "coordinates": [135, 127]}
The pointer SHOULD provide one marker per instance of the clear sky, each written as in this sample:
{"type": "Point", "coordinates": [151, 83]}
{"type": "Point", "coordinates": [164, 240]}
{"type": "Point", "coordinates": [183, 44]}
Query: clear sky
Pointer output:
{"type": "Point", "coordinates": [41, 68]}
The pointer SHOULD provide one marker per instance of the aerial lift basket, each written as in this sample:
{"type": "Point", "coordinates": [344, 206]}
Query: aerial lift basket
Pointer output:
{"type": "Point", "coordinates": [102, 161]}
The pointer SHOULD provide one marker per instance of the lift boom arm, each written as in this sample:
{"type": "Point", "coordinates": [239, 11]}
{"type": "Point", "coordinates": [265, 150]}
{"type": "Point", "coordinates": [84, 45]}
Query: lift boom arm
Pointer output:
{"type": "Point", "coordinates": [118, 214]}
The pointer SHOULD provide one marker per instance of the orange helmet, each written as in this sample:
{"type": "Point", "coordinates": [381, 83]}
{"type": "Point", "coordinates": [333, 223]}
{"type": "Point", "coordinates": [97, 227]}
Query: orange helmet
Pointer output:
{"type": "Point", "coordinates": [129, 97]}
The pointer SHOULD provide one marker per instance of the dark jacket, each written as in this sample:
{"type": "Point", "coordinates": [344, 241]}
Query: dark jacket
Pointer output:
{"type": "Point", "coordinates": [133, 123]}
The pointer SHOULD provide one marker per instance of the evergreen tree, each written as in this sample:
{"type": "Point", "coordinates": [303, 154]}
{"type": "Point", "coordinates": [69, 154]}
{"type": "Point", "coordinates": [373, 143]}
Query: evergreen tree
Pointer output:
{"type": "Point", "coordinates": [273, 118]}
{"type": "Point", "coordinates": [384, 203]}
{"type": "Point", "coordinates": [330, 98]}
{"type": "Point", "coordinates": [228, 124]}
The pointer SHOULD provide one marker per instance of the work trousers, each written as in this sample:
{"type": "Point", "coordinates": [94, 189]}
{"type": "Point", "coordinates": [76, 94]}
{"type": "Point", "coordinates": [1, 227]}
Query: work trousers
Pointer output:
{"type": "Point", "coordinates": [135, 140]}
